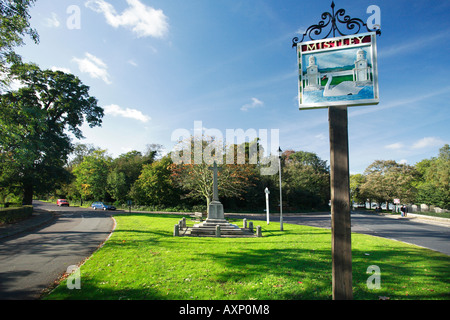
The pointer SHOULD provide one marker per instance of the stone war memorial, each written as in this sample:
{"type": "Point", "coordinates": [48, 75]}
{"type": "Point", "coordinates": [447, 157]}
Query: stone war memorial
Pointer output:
{"type": "Point", "coordinates": [215, 225]}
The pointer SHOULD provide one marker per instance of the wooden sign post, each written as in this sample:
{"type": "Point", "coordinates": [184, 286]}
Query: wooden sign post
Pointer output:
{"type": "Point", "coordinates": [341, 243]}
{"type": "Point", "coordinates": [336, 73]}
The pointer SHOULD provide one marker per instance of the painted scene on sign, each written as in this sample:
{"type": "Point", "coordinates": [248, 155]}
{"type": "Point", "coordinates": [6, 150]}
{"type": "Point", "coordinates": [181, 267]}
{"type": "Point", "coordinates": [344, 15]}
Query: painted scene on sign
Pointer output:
{"type": "Point", "coordinates": [337, 75]}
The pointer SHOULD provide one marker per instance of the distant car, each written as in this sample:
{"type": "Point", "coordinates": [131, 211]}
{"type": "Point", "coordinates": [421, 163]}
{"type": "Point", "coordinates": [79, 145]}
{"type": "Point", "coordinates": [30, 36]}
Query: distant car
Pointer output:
{"type": "Point", "coordinates": [102, 206]}
{"type": "Point", "coordinates": [62, 202]}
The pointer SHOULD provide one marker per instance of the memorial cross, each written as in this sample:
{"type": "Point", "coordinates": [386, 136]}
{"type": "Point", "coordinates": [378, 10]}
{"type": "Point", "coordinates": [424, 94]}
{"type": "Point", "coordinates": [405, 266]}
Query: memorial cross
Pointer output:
{"type": "Point", "coordinates": [215, 170]}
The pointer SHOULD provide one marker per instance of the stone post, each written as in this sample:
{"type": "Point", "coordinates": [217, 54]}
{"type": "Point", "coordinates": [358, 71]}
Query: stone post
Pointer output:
{"type": "Point", "coordinates": [258, 231]}
{"type": "Point", "coordinates": [218, 231]}
{"type": "Point", "coordinates": [176, 231]}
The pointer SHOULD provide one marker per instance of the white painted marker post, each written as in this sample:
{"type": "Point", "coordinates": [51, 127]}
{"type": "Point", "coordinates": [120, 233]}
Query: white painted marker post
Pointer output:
{"type": "Point", "coordinates": [267, 192]}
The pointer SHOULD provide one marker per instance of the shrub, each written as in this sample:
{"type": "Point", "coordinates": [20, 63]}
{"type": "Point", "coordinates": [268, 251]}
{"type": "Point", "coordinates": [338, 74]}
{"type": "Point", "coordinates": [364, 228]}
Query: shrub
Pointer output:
{"type": "Point", "coordinates": [11, 215]}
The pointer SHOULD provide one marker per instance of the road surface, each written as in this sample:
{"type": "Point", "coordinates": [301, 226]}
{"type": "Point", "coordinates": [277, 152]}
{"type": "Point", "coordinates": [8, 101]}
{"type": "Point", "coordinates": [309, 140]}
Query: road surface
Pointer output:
{"type": "Point", "coordinates": [30, 262]}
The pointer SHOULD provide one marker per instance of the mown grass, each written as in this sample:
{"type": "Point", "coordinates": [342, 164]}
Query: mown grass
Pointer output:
{"type": "Point", "coordinates": [142, 260]}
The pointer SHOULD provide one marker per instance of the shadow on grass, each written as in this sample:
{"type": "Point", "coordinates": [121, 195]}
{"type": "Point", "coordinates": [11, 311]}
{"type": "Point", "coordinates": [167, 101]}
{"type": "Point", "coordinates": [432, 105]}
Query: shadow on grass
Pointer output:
{"type": "Point", "coordinates": [291, 265]}
{"type": "Point", "coordinates": [282, 274]}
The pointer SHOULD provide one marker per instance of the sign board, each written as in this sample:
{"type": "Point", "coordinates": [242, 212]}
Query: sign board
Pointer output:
{"type": "Point", "coordinates": [396, 201]}
{"type": "Point", "coordinates": [338, 72]}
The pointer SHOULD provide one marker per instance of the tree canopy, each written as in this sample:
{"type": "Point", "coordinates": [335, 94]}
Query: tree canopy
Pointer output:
{"type": "Point", "coordinates": [34, 144]}
{"type": "Point", "coordinates": [434, 186]}
{"type": "Point", "coordinates": [14, 26]}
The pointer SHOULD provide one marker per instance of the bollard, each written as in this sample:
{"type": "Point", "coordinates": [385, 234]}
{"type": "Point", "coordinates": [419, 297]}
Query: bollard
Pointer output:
{"type": "Point", "coordinates": [218, 231]}
{"type": "Point", "coordinates": [250, 226]}
{"type": "Point", "coordinates": [183, 225]}
{"type": "Point", "coordinates": [176, 231]}
{"type": "Point", "coordinates": [258, 231]}
{"type": "Point", "coordinates": [245, 223]}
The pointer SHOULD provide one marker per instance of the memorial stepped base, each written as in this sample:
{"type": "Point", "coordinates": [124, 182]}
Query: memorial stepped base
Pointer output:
{"type": "Point", "coordinates": [208, 228]}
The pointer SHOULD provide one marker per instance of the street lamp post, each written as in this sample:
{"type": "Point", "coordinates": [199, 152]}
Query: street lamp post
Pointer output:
{"type": "Point", "coordinates": [281, 195]}
{"type": "Point", "coordinates": [267, 192]}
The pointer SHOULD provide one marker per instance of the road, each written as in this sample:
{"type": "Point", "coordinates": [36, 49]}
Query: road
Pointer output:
{"type": "Point", "coordinates": [30, 262]}
{"type": "Point", "coordinates": [431, 236]}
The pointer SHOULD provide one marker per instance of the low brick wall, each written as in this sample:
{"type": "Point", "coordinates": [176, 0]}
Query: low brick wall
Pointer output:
{"type": "Point", "coordinates": [11, 215]}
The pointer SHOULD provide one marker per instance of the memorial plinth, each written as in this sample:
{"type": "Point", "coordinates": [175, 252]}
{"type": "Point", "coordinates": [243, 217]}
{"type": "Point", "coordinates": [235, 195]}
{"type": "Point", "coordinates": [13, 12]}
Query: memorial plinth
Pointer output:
{"type": "Point", "coordinates": [216, 217]}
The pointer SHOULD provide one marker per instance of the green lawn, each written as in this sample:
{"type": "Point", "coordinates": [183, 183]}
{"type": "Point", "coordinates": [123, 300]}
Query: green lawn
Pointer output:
{"type": "Point", "coordinates": [142, 260]}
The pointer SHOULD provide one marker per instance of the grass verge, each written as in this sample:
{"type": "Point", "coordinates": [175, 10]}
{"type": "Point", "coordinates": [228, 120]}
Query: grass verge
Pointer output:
{"type": "Point", "coordinates": [142, 260]}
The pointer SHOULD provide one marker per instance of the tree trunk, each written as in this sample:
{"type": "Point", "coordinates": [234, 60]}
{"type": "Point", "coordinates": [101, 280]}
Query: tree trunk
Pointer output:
{"type": "Point", "coordinates": [27, 194]}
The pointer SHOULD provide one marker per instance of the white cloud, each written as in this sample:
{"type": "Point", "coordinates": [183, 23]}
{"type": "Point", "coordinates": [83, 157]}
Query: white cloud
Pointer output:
{"type": "Point", "coordinates": [94, 66]}
{"type": "Point", "coordinates": [143, 20]}
{"type": "Point", "coordinates": [65, 70]}
{"type": "Point", "coordinates": [321, 136]}
{"type": "Point", "coordinates": [52, 22]}
{"type": "Point", "coordinates": [254, 104]}
{"type": "Point", "coordinates": [132, 62]}
{"type": "Point", "coordinates": [403, 161]}
{"type": "Point", "coordinates": [117, 111]}
{"type": "Point", "coordinates": [428, 142]}
{"type": "Point", "coordinates": [394, 146]}
{"type": "Point", "coordinates": [301, 31]}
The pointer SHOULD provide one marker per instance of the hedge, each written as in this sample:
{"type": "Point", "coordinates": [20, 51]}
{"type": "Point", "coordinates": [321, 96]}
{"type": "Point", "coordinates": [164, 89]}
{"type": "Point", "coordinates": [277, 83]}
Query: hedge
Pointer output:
{"type": "Point", "coordinates": [11, 215]}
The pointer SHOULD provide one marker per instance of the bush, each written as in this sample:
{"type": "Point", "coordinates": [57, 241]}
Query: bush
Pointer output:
{"type": "Point", "coordinates": [12, 215]}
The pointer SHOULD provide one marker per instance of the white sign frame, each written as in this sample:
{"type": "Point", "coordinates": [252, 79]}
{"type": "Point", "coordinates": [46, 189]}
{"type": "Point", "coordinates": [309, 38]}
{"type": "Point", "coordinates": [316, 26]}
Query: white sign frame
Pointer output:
{"type": "Point", "coordinates": [320, 60]}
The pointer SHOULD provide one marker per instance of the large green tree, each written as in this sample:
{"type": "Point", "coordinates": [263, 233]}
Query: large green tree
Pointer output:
{"type": "Point", "coordinates": [387, 180]}
{"type": "Point", "coordinates": [155, 186]}
{"type": "Point", "coordinates": [91, 176]}
{"type": "Point", "coordinates": [14, 25]}
{"type": "Point", "coordinates": [356, 194]}
{"type": "Point", "coordinates": [305, 180]}
{"type": "Point", "coordinates": [434, 184]}
{"type": "Point", "coordinates": [34, 140]}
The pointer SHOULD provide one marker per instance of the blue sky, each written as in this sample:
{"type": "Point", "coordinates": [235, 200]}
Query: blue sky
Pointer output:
{"type": "Point", "coordinates": [160, 65]}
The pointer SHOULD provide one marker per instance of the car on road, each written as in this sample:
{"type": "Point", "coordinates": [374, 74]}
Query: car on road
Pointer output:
{"type": "Point", "coordinates": [62, 202]}
{"type": "Point", "coordinates": [100, 205]}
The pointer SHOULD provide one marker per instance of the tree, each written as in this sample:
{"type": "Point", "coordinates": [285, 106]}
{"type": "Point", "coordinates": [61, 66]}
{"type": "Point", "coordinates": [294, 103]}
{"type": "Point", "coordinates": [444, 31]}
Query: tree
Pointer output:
{"type": "Point", "coordinates": [91, 176]}
{"type": "Point", "coordinates": [387, 180]}
{"type": "Point", "coordinates": [117, 185]}
{"type": "Point", "coordinates": [196, 179]}
{"type": "Point", "coordinates": [80, 151]}
{"type": "Point", "coordinates": [34, 145]}
{"type": "Point", "coordinates": [306, 180]}
{"type": "Point", "coordinates": [356, 194]}
{"type": "Point", "coordinates": [310, 159]}
{"type": "Point", "coordinates": [126, 169]}
{"type": "Point", "coordinates": [14, 25]}
{"type": "Point", "coordinates": [155, 186]}
{"type": "Point", "coordinates": [434, 184]}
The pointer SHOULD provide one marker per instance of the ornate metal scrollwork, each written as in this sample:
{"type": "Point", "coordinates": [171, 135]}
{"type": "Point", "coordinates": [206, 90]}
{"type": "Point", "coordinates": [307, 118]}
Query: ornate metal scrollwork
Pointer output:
{"type": "Point", "coordinates": [333, 18]}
